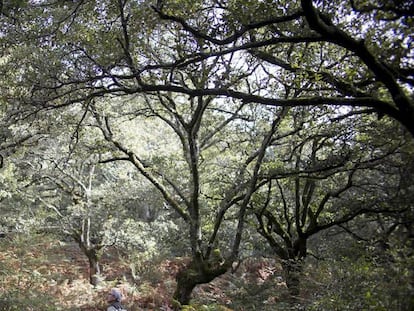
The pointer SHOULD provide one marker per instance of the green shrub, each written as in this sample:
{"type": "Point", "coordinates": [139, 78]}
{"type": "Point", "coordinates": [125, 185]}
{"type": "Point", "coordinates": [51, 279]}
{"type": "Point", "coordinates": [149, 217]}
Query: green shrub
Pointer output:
{"type": "Point", "coordinates": [365, 284]}
{"type": "Point", "coordinates": [16, 300]}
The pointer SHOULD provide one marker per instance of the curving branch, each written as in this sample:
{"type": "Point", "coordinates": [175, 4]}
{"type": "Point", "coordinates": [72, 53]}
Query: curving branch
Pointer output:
{"type": "Point", "coordinates": [232, 38]}
{"type": "Point", "coordinates": [104, 126]}
{"type": "Point", "coordinates": [323, 26]}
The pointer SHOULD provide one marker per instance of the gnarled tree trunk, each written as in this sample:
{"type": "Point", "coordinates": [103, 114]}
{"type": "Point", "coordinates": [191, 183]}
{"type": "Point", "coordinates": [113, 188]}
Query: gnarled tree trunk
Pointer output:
{"type": "Point", "coordinates": [94, 267]}
{"type": "Point", "coordinates": [197, 272]}
{"type": "Point", "coordinates": [292, 270]}
{"type": "Point", "coordinates": [93, 252]}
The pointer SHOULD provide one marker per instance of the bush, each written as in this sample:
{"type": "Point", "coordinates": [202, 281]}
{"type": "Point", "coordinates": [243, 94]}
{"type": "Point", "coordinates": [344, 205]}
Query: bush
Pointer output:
{"type": "Point", "coordinates": [365, 284]}
{"type": "Point", "coordinates": [16, 300]}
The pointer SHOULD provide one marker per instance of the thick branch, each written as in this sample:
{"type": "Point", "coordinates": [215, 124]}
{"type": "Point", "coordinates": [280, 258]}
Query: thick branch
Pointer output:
{"type": "Point", "coordinates": [232, 38]}
{"type": "Point", "coordinates": [143, 169]}
{"type": "Point", "coordinates": [253, 181]}
{"type": "Point", "coordinates": [381, 71]}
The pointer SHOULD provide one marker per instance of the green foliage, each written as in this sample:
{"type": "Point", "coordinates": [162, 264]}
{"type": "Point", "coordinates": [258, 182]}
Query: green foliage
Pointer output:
{"type": "Point", "coordinates": [8, 182]}
{"type": "Point", "coordinates": [359, 278]}
{"type": "Point", "coordinates": [18, 300]}
{"type": "Point", "coordinates": [210, 307]}
{"type": "Point", "coordinates": [22, 287]}
{"type": "Point", "coordinates": [213, 74]}
{"type": "Point", "coordinates": [251, 296]}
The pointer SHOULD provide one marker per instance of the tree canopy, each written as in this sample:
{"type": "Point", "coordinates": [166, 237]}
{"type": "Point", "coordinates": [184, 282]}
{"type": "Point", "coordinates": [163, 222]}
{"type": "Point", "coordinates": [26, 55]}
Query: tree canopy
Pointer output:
{"type": "Point", "coordinates": [342, 53]}
{"type": "Point", "coordinates": [293, 117]}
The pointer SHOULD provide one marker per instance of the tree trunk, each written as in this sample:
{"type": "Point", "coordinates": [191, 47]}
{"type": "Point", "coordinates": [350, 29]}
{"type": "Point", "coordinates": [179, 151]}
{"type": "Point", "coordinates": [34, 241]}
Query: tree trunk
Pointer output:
{"type": "Point", "coordinates": [293, 269]}
{"type": "Point", "coordinates": [197, 272]}
{"type": "Point", "coordinates": [94, 269]}
{"type": "Point", "coordinates": [93, 254]}
{"type": "Point", "coordinates": [185, 287]}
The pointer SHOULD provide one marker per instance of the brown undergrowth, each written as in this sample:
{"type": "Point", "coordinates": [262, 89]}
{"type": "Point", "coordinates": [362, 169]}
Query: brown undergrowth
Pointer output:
{"type": "Point", "coordinates": [40, 271]}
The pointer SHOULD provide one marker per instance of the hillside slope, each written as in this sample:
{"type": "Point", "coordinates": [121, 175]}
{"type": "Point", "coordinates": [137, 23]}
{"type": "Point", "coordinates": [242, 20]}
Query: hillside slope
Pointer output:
{"type": "Point", "coordinates": [39, 271]}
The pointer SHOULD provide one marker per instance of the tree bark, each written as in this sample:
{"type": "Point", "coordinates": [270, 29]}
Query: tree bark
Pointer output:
{"type": "Point", "coordinates": [94, 268]}
{"type": "Point", "coordinates": [93, 254]}
{"type": "Point", "coordinates": [293, 270]}
{"type": "Point", "coordinates": [197, 272]}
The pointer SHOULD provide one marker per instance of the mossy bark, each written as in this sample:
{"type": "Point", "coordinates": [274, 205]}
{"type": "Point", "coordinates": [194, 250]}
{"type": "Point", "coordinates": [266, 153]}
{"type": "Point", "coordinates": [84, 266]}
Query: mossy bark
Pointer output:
{"type": "Point", "coordinates": [94, 269]}
{"type": "Point", "coordinates": [93, 254]}
{"type": "Point", "coordinates": [197, 272]}
{"type": "Point", "coordinates": [293, 270]}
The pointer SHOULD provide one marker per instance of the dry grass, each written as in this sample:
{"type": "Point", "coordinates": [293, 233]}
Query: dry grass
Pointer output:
{"type": "Point", "coordinates": [42, 271]}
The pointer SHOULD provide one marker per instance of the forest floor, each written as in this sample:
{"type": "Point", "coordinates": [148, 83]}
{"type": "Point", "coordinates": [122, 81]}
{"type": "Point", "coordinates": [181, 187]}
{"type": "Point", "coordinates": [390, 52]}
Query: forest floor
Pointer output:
{"type": "Point", "coordinates": [46, 272]}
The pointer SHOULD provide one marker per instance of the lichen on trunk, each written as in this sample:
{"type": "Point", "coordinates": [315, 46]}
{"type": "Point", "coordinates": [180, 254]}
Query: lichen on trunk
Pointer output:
{"type": "Point", "coordinates": [197, 272]}
{"type": "Point", "coordinates": [292, 272]}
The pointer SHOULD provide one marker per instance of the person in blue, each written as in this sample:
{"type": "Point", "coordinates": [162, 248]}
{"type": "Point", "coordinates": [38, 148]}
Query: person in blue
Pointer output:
{"type": "Point", "coordinates": [114, 299]}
